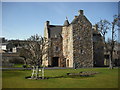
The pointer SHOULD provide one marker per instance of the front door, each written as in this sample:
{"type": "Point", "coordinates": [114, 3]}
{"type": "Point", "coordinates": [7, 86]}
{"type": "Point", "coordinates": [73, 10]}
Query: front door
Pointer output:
{"type": "Point", "coordinates": [55, 61]}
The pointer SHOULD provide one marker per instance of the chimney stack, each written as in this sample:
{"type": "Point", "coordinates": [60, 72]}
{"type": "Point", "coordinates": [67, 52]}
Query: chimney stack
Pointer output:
{"type": "Point", "coordinates": [47, 23]}
{"type": "Point", "coordinates": [96, 26]}
{"type": "Point", "coordinates": [75, 17]}
{"type": "Point", "coordinates": [80, 12]}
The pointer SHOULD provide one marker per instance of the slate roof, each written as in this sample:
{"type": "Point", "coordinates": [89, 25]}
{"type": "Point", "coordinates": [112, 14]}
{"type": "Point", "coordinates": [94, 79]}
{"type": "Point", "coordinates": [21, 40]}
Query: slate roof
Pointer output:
{"type": "Point", "coordinates": [66, 23]}
{"type": "Point", "coordinates": [54, 31]}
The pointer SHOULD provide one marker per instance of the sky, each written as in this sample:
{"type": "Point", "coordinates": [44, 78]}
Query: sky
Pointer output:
{"type": "Point", "coordinates": [20, 20]}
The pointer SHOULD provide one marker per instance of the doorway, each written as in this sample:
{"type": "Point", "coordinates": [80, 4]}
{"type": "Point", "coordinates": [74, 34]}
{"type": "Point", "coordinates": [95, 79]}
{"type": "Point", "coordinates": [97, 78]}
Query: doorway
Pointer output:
{"type": "Point", "coordinates": [55, 61]}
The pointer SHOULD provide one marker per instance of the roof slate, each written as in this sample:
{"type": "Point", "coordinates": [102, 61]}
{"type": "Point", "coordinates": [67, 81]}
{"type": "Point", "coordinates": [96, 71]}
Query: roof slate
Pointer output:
{"type": "Point", "coordinates": [54, 30]}
{"type": "Point", "coordinates": [66, 23]}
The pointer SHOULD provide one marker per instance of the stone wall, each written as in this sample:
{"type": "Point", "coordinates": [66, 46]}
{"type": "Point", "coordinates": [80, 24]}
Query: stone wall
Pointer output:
{"type": "Point", "coordinates": [98, 54]}
{"type": "Point", "coordinates": [56, 50]}
{"type": "Point", "coordinates": [82, 43]}
{"type": "Point", "coordinates": [46, 57]}
{"type": "Point", "coordinates": [75, 46]}
{"type": "Point", "coordinates": [68, 45]}
{"type": "Point", "coordinates": [98, 47]}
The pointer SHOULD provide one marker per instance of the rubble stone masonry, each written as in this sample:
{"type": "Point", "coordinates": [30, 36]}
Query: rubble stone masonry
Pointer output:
{"type": "Point", "coordinates": [72, 43]}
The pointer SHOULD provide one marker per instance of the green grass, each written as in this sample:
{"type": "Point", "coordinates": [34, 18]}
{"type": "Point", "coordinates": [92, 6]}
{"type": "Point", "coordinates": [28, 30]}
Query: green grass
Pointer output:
{"type": "Point", "coordinates": [105, 79]}
{"type": "Point", "coordinates": [18, 65]}
{"type": "Point", "coordinates": [14, 66]}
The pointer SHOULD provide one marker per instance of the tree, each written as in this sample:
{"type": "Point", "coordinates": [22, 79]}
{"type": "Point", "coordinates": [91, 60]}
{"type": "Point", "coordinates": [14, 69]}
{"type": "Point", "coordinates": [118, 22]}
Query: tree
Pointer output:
{"type": "Point", "coordinates": [114, 24]}
{"type": "Point", "coordinates": [33, 52]}
{"type": "Point", "coordinates": [25, 53]}
{"type": "Point", "coordinates": [103, 27]}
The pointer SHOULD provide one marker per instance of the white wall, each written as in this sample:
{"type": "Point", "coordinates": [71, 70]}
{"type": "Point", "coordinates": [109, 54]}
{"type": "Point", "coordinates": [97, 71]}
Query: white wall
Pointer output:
{"type": "Point", "coordinates": [3, 47]}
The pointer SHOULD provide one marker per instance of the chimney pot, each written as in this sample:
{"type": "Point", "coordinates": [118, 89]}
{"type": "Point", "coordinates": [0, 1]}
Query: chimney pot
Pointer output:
{"type": "Point", "coordinates": [47, 23]}
{"type": "Point", "coordinates": [96, 26]}
{"type": "Point", "coordinates": [75, 17]}
{"type": "Point", "coordinates": [81, 12]}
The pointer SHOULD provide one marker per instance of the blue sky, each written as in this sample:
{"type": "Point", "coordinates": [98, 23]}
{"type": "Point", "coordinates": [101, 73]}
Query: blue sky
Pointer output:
{"type": "Point", "coordinates": [20, 20]}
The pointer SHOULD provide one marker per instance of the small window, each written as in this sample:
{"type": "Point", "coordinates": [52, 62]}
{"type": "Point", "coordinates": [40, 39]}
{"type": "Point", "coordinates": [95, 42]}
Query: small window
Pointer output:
{"type": "Point", "coordinates": [10, 49]}
{"type": "Point", "coordinates": [68, 62]}
{"type": "Point", "coordinates": [78, 38]}
{"type": "Point", "coordinates": [57, 48]}
{"type": "Point", "coordinates": [67, 40]}
{"type": "Point", "coordinates": [81, 51]}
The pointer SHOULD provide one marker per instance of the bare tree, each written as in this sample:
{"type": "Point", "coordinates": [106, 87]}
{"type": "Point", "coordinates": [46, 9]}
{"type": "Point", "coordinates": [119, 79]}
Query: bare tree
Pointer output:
{"type": "Point", "coordinates": [26, 54]}
{"type": "Point", "coordinates": [34, 50]}
{"type": "Point", "coordinates": [114, 24]}
{"type": "Point", "coordinates": [103, 27]}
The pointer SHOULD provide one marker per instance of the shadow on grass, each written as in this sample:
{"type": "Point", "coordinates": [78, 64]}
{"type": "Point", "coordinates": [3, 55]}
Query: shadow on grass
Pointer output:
{"type": "Point", "coordinates": [65, 76]}
{"type": "Point", "coordinates": [82, 74]}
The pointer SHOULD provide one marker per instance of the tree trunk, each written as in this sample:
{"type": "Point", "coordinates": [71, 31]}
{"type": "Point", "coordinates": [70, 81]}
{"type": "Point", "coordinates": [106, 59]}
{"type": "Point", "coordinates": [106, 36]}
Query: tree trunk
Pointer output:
{"type": "Point", "coordinates": [110, 63]}
{"type": "Point", "coordinates": [33, 72]}
{"type": "Point", "coordinates": [26, 63]}
{"type": "Point", "coordinates": [112, 47]}
{"type": "Point", "coordinates": [43, 73]}
{"type": "Point", "coordinates": [37, 72]}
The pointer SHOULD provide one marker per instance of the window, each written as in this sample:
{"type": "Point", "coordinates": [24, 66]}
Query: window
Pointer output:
{"type": "Point", "coordinates": [68, 63]}
{"type": "Point", "coordinates": [81, 51]}
{"type": "Point", "coordinates": [67, 40]}
{"type": "Point", "coordinates": [56, 48]}
{"type": "Point", "coordinates": [78, 38]}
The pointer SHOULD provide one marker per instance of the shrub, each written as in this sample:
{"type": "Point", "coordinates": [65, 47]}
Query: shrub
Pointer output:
{"type": "Point", "coordinates": [16, 60]}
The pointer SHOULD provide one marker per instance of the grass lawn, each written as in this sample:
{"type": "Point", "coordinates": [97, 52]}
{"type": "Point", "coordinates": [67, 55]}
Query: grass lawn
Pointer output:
{"type": "Point", "coordinates": [105, 79]}
{"type": "Point", "coordinates": [18, 65]}
{"type": "Point", "coordinates": [15, 66]}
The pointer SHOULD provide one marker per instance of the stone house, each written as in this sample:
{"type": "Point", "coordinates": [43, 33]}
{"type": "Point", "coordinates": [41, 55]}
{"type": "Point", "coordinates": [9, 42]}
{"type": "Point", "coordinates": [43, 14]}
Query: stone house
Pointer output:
{"type": "Point", "coordinates": [10, 52]}
{"type": "Point", "coordinates": [3, 44]}
{"type": "Point", "coordinates": [98, 47]}
{"type": "Point", "coordinates": [116, 54]}
{"type": "Point", "coordinates": [71, 45]}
